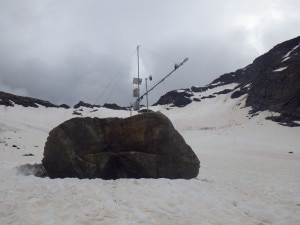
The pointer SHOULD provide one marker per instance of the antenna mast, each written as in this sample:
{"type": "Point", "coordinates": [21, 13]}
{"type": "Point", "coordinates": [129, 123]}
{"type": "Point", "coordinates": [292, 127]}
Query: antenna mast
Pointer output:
{"type": "Point", "coordinates": [138, 69]}
{"type": "Point", "coordinates": [138, 81]}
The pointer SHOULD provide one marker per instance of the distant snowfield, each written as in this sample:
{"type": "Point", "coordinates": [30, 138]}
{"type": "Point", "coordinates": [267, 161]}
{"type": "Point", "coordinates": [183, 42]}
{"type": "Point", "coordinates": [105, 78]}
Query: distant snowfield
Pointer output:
{"type": "Point", "coordinates": [247, 174]}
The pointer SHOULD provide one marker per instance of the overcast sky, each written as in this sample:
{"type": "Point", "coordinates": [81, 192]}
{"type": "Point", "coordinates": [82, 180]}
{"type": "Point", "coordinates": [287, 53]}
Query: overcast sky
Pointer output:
{"type": "Point", "coordinates": [70, 50]}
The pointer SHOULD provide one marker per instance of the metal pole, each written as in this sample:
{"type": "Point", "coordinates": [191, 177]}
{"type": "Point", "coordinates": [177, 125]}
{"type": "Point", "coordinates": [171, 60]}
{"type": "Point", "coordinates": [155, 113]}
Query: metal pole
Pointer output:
{"type": "Point", "coordinates": [130, 108]}
{"type": "Point", "coordinates": [138, 64]}
{"type": "Point", "coordinates": [147, 94]}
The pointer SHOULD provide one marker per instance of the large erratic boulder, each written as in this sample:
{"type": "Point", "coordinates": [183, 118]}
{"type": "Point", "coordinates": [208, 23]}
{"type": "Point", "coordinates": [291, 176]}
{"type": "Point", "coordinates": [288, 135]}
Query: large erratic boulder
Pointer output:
{"type": "Point", "coordinates": [142, 146]}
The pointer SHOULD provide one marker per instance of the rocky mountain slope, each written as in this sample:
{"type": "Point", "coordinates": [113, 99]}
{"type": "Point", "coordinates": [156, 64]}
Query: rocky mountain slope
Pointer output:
{"type": "Point", "coordinates": [11, 99]}
{"type": "Point", "coordinates": [271, 82]}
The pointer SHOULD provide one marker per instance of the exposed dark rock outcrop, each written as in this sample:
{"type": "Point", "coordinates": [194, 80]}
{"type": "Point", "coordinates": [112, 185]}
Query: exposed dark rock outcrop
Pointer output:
{"type": "Point", "coordinates": [199, 89]}
{"type": "Point", "coordinates": [28, 154]}
{"type": "Point", "coordinates": [114, 106]}
{"type": "Point", "coordinates": [77, 113]}
{"type": "Point", "coordinates": [64, 106]}
{"type": "Point", "coordinates": [178, 98]}
{"type": "Point", "coordinates": [84, 104]}
{"type": "Point", "coordinates": [228, 78]}
{"type": "Point", "coordinates": [223, 92]}
{"type": "Point", "coordinates": [272, 82]}
{"type": "Point", "coordinates": [106, 105]}
{"type": "Point", "coordinates": [209, 96]}
{"type": "Point", "coordinates": [240, 92]}
{"type": "Point", "coordinates": [277, 86]}
{"type": "Point", "coordinates": [11, 100]}
{"type": "Point", "coordinates": [142, 146]}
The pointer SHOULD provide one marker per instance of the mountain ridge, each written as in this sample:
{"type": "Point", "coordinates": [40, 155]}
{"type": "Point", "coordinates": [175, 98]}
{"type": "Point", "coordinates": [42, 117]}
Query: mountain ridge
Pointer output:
{"type": "Point", "coordinates": [271, 82]}
{"type": "Point", "coordinates": [8, 99]}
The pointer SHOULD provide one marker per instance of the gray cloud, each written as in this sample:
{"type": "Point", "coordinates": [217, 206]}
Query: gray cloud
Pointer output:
{"type": "Point", "coordinates": [66, 51]}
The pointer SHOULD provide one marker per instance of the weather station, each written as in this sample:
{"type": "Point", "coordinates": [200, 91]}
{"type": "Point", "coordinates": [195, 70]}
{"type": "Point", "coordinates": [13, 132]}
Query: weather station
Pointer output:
{"type": "Point", "coordinates": [138, 81]}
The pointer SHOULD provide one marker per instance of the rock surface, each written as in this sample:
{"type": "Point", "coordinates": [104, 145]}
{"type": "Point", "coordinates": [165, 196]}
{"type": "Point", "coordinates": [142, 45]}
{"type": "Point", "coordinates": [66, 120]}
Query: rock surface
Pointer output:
{"type": "Point", "coordinates": [84, 104]}
{"type": "Point", "coordinates": [8, 99]}
{"type": "Point", "coordinates": [277, 85]}
{"type": "Point", "coordinates": [113, 106]}
{"type": "Point", "coordinates": [142, 146]}
{"type": "Point", "coordinates": [271, 82]}
{"type": "Point", "coordinates": [179, 98]}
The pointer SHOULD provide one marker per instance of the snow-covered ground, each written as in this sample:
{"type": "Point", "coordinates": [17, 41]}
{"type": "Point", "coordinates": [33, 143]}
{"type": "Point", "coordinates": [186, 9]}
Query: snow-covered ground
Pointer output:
{"type": "Point", "coordinates": [247, 174]}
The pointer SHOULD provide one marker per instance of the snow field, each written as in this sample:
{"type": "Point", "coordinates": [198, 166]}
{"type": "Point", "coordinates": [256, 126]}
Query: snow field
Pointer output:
{"type": "Point", "coordinates": [247, 175]}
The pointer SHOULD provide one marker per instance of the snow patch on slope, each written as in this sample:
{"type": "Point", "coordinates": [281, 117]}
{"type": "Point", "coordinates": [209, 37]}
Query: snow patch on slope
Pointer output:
{"type": "Point", "coordinates": [280, 69]}
{"type": "Point", "coordinates": [287, 56]}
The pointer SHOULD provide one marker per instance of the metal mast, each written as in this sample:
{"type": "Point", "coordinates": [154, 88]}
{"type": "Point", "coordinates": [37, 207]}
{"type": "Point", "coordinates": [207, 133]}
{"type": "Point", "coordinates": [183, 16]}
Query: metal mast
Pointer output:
{"type": "Point", "coordinates": [137, 81]}
{"type": "Point", "coordinates": [138, 68]}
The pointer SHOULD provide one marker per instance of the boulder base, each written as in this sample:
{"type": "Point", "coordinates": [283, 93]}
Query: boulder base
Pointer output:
{"type": "Point", "coordinates": [142, 146]}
